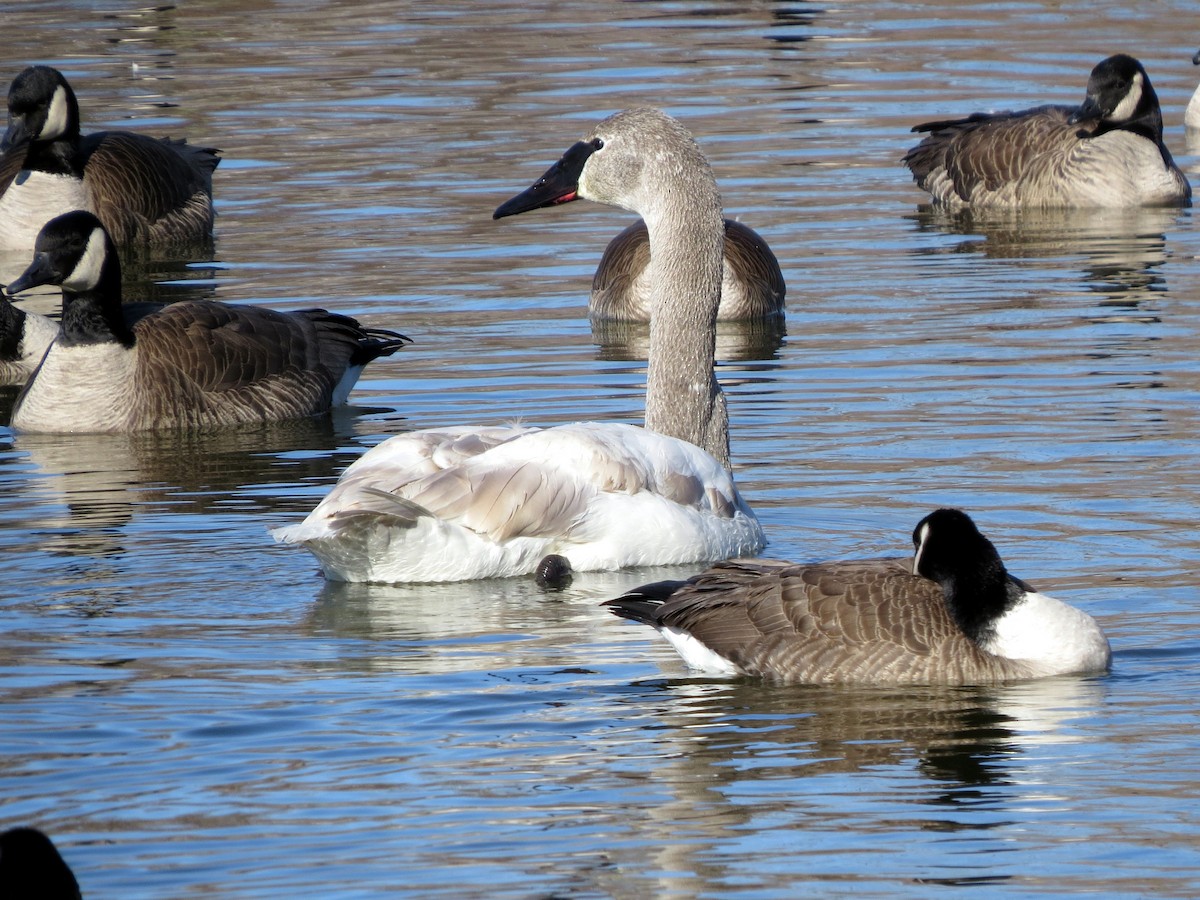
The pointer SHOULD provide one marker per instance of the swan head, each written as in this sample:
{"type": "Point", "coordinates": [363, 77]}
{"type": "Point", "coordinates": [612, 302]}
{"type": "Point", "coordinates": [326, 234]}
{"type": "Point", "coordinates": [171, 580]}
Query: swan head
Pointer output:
{"type": "Point", "coordinates": [629, 160]}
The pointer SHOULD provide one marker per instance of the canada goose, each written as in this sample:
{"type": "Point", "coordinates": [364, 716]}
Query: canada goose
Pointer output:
{"type": "Point", "coordinates": [194, 364]}
{"type": "Point", "coordinates": [953, 615]}
{"type": "Point", "coordinates": [481, 502]}
{"type": "Point", "coordinates": [1191, 116]}
{"type": "Point", "coordinates": [149, 193]}
{"type": "Point", "coordinates": [1109, 151]}
{"type": "Point", "coordinates": [752, 286]}
{"type": "Point", "coordinates": [31, 866]}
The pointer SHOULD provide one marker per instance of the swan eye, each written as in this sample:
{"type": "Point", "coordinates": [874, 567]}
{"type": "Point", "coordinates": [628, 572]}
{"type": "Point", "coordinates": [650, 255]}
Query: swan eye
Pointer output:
{"type": "Point", "coordinates": [597, 144]}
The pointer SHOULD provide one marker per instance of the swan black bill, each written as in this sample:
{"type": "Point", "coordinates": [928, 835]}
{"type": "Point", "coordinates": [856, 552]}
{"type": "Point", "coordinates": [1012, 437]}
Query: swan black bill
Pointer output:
{"type": "Point", "coordinates": [560, 184]}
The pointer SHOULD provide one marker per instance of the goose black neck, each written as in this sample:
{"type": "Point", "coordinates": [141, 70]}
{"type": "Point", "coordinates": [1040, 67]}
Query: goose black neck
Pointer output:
{"type": "Point", "coordinates": [58, 157]}
{"type": "Point", "coordinates": [977, 596]}
{"type": "Point", "coordinates": [94, 316]}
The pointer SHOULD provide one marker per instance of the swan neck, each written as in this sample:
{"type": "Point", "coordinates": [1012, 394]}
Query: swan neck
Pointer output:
{"type": "Point", "coordinates": [683, 398]}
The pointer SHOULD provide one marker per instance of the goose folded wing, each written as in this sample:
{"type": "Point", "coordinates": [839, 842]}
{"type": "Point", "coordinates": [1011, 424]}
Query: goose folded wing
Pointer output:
{"type": "Point", "coordinates": [216, 348]}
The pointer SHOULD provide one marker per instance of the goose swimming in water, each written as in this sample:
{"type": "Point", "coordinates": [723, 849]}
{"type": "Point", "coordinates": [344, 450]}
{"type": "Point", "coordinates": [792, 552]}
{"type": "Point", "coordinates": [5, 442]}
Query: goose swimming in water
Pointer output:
{"type": "Point", "coordinates": [1107, 152]}
{"type": "Point", "coordinates": [480, 502]}
{"type": "Point", "coordinates": [193, 364]}
{"type": "Point", "coordinates": [953, 615]}
{"type": "Point", "coordinates": [149, 193]}
{"type": "Point", "coordinates": [752, 285]}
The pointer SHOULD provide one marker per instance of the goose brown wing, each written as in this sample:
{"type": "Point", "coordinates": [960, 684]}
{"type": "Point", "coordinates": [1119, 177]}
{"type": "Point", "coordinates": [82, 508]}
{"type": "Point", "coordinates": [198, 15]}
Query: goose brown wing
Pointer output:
{"type": "Point", "coordinates": [212, 356]}
{"type": "Point", "coordinates": [863, 621]}
{"type": "Point", "coordinates": [136, 182]}
{"type": "Point", "coordinates": [985, 152]}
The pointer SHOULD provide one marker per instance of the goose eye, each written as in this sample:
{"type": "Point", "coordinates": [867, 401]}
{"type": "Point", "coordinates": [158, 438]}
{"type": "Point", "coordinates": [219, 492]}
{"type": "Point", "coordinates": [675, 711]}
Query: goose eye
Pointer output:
{"type": "Point", "coordinates": [597, 144]}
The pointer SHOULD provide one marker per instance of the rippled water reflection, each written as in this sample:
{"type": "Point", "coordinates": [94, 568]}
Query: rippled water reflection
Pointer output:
{"type": "Point", "coordinates": [189, 710]}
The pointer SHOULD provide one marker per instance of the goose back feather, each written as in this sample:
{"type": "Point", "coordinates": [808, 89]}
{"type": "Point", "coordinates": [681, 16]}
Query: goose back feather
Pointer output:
{"type": "Point", "coordinates": [194, 364]}
{"type": "Point", "coordinates": [752, 285]}
{"type": "Point", "coordinates": [959, 619]}
{"type": "Point", "coordinates": [1108, 152]}
{"type": "Point", "coordinates": [149, 192]}
{"type": "Point", "coordinates": [476, 502]}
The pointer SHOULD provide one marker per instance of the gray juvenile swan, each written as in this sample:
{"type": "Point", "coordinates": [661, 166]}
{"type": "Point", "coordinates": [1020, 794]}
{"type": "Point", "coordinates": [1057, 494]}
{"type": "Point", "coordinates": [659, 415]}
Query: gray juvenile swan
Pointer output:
{"type": "Point", "coordinates": [752, 286]}
{"type": "Point", "coordinates": [1107, 152]}
{"type": "Point", "coordinates": [952, 616]}
{"type": "Point", "coordinates": [194, 364]}
{"type": "Point", "coordinates": [454, 504]}
{"type": "Point", "coordinates": [149, 193]}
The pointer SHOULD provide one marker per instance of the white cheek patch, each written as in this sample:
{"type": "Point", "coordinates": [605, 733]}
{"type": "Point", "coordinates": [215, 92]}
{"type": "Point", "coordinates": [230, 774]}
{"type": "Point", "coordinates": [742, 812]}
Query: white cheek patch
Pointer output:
{"type": "Point", "coordinates": [56, 117]}
{"type": "Point", "coordinates": [1125, 109]}
{"type": "Point", "coordinates": [916, 566]}
{"type": "Point", "coordinates": [86, 274]}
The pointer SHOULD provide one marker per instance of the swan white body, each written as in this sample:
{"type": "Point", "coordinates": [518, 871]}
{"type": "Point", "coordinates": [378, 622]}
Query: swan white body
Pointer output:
{"type": "Point", "coordinates": [467, 503]}
{"type": "Point", "coordinates": [463, 503]}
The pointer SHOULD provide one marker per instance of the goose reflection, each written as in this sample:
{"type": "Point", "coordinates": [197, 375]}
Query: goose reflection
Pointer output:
{"type": "Point", "coordinates": [1120, 254]}
{"type": "Point", "coordinates": [86, 489]}
{"type": "Point", "coordinates": [729, 757]}
{"type": "Point", "coordinates": [737, 341]}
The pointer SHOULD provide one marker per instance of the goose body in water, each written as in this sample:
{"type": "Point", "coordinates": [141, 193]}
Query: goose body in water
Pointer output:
{"type": "Point", "coordinates": [150, 193]}
{"type": "Point", "coordinates": [1107, 152]}
{"type": "Point", "coordinates": [194, 364]}
{"type": "Point", "coordinates": [752, 285]}
{"type": "Point", "coordinates": [478, 502]}
{"type": "Point", "coordinates": [951, 615]}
